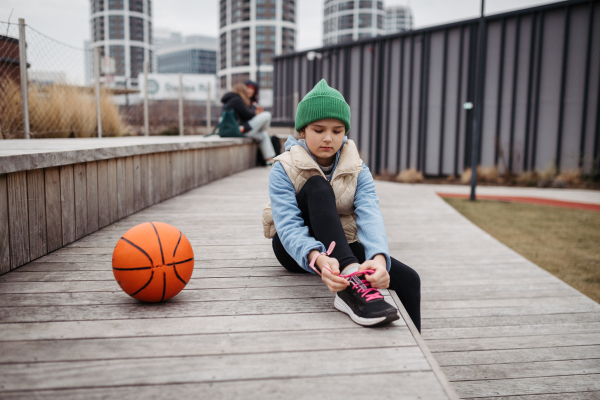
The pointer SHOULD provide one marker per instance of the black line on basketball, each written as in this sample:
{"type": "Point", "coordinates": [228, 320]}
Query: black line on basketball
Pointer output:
{"type": "Point", "coordinates": [182, 262]}
{"type": "Point", "coordinates": [164, 286]}
{"type": "Point", "coordinates": [139, 248]}
{"type": "Point", "coordinates": [144, 287]}
{"type": "Point", "coordinates": [160, 244]}
{"type": "Point", "coordinates": [177, 275]}
{"type": "Point", "coordinates": [177, 245]}
{"type": "Point", "coordinates": [131, 269]}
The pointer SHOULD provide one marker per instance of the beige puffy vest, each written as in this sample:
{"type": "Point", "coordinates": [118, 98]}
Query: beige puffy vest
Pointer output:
{"type": "Point", "coordinates": [300, 166]}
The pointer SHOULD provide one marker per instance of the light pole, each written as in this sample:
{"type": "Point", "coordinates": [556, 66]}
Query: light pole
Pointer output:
{"type": "Point", "coordinates": [478, 102]}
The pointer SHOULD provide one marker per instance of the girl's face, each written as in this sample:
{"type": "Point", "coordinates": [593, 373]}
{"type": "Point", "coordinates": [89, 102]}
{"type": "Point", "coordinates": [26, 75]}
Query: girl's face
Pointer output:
{"type": "Point", "coordinates": [251, 90]}
{"type": "Point", "coordinates": [324, 138]}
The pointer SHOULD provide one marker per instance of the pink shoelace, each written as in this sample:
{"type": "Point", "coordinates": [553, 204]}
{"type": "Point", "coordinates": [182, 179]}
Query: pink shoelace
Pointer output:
{"type": "Point", "coordinates": [363, 286]}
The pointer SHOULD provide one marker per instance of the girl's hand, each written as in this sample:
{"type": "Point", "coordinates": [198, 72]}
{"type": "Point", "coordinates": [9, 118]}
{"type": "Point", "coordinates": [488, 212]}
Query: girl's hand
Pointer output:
{"type": "Point", "coordinates": [332, 280]}
{"type": "Point", "coordinates": [381, 278]}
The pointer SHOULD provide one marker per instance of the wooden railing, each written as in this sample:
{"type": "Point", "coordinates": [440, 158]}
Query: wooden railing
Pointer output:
{"type": "Point", "coordinates": [55, 191]}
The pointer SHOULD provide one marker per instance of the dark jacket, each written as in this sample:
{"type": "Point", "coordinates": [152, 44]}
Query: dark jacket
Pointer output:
{"type": "Point", "coordinates": [243, 112]}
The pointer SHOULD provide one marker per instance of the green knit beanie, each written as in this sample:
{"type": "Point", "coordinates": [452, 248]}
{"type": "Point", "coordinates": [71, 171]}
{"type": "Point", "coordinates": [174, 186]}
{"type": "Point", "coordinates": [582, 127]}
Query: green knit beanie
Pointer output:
{"type": "Point", "coordinates": [322, 102]}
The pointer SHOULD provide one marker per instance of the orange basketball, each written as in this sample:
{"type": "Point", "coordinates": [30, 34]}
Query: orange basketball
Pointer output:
{"type": "Point", "coordinates": [153, 261]}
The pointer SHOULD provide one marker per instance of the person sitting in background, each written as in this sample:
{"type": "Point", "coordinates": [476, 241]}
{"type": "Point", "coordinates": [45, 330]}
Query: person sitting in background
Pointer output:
{"type": "Point", "coordinates": [253, 95]}
{"type": "Point", "coordinates": [254, 120]}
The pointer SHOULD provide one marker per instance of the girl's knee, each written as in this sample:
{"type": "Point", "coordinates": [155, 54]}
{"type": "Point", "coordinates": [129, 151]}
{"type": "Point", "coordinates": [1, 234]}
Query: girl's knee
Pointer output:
{"type": "Point", "coordinates": [318, 184]}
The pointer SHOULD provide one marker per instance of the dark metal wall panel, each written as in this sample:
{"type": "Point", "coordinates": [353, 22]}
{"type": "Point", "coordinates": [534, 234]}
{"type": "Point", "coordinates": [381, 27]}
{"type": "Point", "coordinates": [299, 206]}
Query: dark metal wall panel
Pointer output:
{"type": "Point", "coordinates": [521, 95]}
{"type": "Point", "coordinates": [451, 103]}
{"type": "Point", "coordinates": [393, 127]}
{"type": "Point", "coordinates": [546, 134]}
{"type": "Point", "coordinates": [384, 97]}
{"type": "Point", "coordinates": [593, 95]}
{"type": "Point", "coordinates": [434, 103]}
{"type": "Point", "coordinates": [490, 105]}
{"type": "Point", "coordinates": [505, 108]}
{"type": "Point", "coordinates": [464, 96]}
{"type": "Point", "coordinates": [363, 134]}
{"type": "Point", "coordinates": [574, 88]}
{"type": "Point", "coordinates": [304, 76]}
{"type": "Point", "coordinates": [405, 99]}
{"type": "Point", "coordinates": [415, 100]}
{"type": "Point", "coordinates": [355, 92]}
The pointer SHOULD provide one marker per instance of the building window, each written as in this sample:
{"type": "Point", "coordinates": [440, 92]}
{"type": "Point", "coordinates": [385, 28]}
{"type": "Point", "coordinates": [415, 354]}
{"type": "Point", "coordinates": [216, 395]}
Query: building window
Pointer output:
{"type": "Point", "coordinates": [364, 35]}
{"type": "Point", "coordinates": [223, 52]}
{"type": "Point", "coordinates": [136, 5]}
{"type": "Point", "coordinates": [346, 21]}
{"type": "Point", "coordinates": [239, 78]}
{"type": "Point", "coordinates": [345, 38]}
{"type": "Point", "coordinates": [136, 29]}
{"type": "Point", "coordinates": [97, 5]}
{"type": "Point", "coordinates": [379, 21]}
{"type": "Point", "coordinates": [365, 20]}
{"type": "Point", "coordinates": [118, 53]}
{"type": "Point", "coordinates": [115, 4]}
{"type": "Point", "coordinates": [116, 27]}
{"type": "Point", "coordinates": [365, 4]}
{"type": "Point", "coordinates": [98, 29]}
{"type": "Point", "coordinates": [349, 5]}
{"type": "Point", "coordinates": [137, 60]}
{"type": "Point", "coordinates": [380, 5]}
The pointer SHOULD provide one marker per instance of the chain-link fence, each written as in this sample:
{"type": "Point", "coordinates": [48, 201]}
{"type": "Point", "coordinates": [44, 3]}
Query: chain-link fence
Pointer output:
{"type": "Point", "coordinates": [60, 98]}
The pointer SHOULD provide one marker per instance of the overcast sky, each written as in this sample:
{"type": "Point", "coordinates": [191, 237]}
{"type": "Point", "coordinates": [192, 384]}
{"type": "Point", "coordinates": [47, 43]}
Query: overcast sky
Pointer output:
{"type": "Point", "coordinates": [68, 20]}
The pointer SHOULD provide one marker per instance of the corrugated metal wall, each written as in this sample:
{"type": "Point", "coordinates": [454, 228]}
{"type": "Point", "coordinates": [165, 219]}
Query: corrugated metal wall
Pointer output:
{"type": "Point", "coordinates": [406, 91]}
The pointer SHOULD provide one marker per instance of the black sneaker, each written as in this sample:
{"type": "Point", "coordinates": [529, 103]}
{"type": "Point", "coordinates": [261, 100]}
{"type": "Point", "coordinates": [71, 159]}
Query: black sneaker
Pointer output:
{"type": "Point", "coordinates": [364, 304]}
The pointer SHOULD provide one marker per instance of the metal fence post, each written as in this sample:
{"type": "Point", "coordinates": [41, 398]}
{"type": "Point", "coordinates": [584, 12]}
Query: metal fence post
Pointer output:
{"type": "Point", "coordinates": [478, 102]}
{"type": "Point", "coordinates": [24, 85]}
{"type": "Point", "coordinates": [208, 111]}
{"type": "Point", "coordinates": [181, 104]}
{"type": "Point", "coordinates": [97, 84]}
{"type": "Point", "coordinates": [146, 122]}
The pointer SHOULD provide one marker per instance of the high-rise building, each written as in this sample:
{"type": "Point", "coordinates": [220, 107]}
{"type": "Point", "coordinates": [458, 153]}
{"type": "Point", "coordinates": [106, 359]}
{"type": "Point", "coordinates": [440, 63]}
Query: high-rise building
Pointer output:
{"type": "Point", "coordinates": [122, 30]}
{"type": "Point", "coordinates": [187, 54]}
{"type": "Point", "coordinates": [251, 33]}
{"type": "Point", "coordinates": [345, 21]}
{"type": "Point", "coordinates": [398, 19]}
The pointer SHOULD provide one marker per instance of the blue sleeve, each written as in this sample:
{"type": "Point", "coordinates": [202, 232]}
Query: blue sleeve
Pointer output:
{"type": "Point", "coordinates": [369, 221]}
{"type": "Point", "coordinates": [288, 218]}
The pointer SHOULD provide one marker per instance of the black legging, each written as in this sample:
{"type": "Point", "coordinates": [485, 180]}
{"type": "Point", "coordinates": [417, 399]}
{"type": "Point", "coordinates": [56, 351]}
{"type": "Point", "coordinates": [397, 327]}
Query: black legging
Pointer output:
{"type": "Point", "coordinates": [316, 200]}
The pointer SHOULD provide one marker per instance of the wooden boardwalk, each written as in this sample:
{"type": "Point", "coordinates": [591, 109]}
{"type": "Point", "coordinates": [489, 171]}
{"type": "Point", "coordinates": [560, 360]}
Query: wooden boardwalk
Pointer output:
{"type": "Point", "coordinates": [499, 326]}
{"type": "Point", "coordinates": [242, 328]}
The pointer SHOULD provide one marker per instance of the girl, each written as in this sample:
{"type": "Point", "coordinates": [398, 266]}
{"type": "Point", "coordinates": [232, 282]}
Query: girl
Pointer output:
{"type": "Point", "coordinates": [324, 215]}
{"type": "Point", "coordinates": [253, 118]}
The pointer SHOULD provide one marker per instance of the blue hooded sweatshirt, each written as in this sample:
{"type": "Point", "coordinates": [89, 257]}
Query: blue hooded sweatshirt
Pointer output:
{"type": "Point", "coordinates": [290, 225]}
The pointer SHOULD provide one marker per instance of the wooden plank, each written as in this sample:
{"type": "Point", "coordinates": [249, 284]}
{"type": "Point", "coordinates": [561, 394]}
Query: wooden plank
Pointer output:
{"type": "Point", "coordinates": [129, 186]}
{"type": "Point", "coordinates": [67, 202]}
{"type": "Point", "coordinates": [121, 188]}
{"type": "Point", "coordinates": [210, 368]}
{"type": "Point", "coordinates": [113, 202]}
{"type": "Point", "coordinates": [91, 169]}
{"type": "Point", "coordinates": [415, 385]}
{"type": "Point", "coordinates": [36, 199]}
{"type": "Point", "coordinates": [211, 344]}
{"type": "Point", "coordinates": [18, 220]}
{"type": "Point", "coordinates": [163, 174]}
{"type": "Point", "coordinates": [103, 194]}
{"type": "Point", "coordinates": [53, 209]}
{"type": "Point", "coordinates": [175, 175]}
{"type": "Point", "coordinates": [81, 209]}
{"type": "Point", "coordinates": [145, 181]}
{"type": "Point", "coordinates": [169, 174]}
{"type": "Point", "coordinates": [138, 202]}
{"type": "Point", "coordinates": [4, 230]}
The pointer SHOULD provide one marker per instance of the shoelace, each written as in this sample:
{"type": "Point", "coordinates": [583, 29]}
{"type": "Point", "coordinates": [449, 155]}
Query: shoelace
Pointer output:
{"type": "Point", "coordinates": [363, 285]}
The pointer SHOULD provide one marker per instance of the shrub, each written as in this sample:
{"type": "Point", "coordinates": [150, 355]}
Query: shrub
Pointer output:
{"type": "Point", "coordinates": [410, 176]}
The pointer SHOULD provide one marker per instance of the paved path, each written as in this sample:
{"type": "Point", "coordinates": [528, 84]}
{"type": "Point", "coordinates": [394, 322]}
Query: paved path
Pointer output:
{"type": "Point", "coordinates": [568, 195]}
{"type": "Point", "coordinates": [243, 328]}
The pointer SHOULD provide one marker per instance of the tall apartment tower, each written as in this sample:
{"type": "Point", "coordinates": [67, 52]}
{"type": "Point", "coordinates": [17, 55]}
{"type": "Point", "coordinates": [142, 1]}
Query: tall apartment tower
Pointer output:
{"type": "Point", "coordinates": [345, 21]}
{"type": "Point", "coordinates": [122, 30]}
{"type": "Point", "coordinates": [251, 33]}
{"type": "Point", "coordinates": [398, 19]}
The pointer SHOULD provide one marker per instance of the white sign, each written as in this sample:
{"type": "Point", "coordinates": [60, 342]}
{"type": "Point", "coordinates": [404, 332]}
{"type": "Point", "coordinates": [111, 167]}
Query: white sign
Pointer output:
{"type": "Point", "coordinates": [166, 86]}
